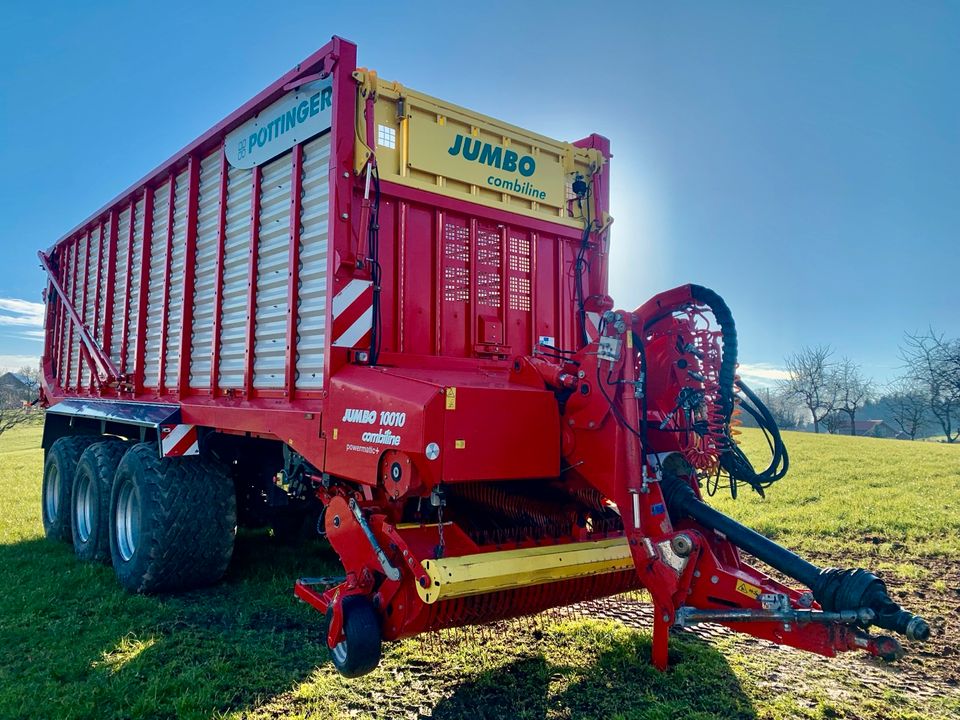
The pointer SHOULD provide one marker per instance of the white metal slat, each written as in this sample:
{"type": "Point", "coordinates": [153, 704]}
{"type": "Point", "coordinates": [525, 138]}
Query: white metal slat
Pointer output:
{"type": "Point", "coordinates": [233, 322]}
{"type": "Point", "coordinates": [119, 286]}
{"type": "Point", "coordinates": [208, 216]}
{"type": "Point", "coordinates": [272, 274]}
{"type": "Point", "coordinates": [312, 295]}
{"type": "Point", "coordinates": [177, 271]}
{"type": "Point", "coordinates": [136, 265]}
{"type": "Point", "coordinates": [73, 380]}
{"type": "Point", "coordinates": [90, 290]}
{"type": "Point", "coordinates": [158, 258]}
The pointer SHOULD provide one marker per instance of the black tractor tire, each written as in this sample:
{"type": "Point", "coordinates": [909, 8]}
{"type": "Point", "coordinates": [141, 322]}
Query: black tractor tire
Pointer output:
{"type": "Point", "coordinates": [90, 499]}
{"type": "Point", "coordinates": [173, 521]}
{"type": "Point", "coordinates": [359, 653]}
{"type": "Point", "coordinates": [59, 467]}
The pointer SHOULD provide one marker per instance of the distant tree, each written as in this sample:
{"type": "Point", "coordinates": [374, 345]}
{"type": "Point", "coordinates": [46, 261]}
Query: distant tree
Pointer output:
{"type": "Point", "coordinates": [31, 374]}
{"type": "Point", "coordinates": [832, 422]}
{"type": "Point", "coordinates": [907, 406]}
{"type": "Point", "coordinates": [10, 417]}
{"type": "Point", "coordinates": [785, 411]}
{"type": "Point", "coordinates": [853, 390]}
{"type": "Point", "coordinates": [811, 382]}
{"type": "Point", "coordinates": [932, 363]}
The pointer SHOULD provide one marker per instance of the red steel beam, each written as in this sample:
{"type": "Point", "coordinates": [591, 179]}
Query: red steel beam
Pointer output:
{"type": "Point", "coordinates": [111, 279]}
{"type": "Point", "coordinates": [140, 357]}
{"type": "Point", "coordinates": [218, 284]}
{"type": "Point", "coordinates": [164, 307]}
{"type": "Point", "coordinates": [293, 264]}
{"type": "Point", "coordinates": [54, 299]}
{"type": "Point", "coordinates": [438, 219]}
{"type": "Point", "coordinates": [189, 274]}
{"type": "Point", "coordinates": [125, 331]}
{"type": "Point", "coordinates": [252, 281]}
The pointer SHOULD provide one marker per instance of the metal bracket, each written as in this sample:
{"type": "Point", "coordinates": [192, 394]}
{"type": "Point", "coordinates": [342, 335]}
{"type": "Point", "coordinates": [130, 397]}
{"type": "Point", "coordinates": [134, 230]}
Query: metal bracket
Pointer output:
{"type": "Point", "coordinates": [389, 570]}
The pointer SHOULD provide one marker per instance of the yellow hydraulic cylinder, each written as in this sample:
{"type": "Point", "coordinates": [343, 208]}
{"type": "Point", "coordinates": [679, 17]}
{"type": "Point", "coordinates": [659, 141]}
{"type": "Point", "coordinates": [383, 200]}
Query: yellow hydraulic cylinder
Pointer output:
{"type": "Point", "coordinates": [506, 569]}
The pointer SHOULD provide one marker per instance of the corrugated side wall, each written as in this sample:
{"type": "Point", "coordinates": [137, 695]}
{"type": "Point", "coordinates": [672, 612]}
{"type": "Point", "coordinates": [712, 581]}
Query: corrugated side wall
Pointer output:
{"type": "Point", "coordinates": [146, 343]}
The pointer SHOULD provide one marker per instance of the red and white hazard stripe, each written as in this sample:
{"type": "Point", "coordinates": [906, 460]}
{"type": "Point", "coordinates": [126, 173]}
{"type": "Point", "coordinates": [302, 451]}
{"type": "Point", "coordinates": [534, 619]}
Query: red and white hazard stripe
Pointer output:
{"type": "Point", "coordinates": [179, 440]}
{"type": "Point", "coordinates": [353, 314]}
{"type": "Point", "coordinates": [593, 325]}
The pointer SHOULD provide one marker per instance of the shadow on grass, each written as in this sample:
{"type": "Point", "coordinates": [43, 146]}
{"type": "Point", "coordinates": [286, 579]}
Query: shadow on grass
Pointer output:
{"type": "Point", "coordinates": [617, 682]}
{"type": "Point", "coordinates": [73, 645]}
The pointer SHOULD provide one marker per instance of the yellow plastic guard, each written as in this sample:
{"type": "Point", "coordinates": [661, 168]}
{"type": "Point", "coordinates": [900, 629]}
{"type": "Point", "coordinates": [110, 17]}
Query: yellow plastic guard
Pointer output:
{"type": "Point", "coordinates": [489, 572]}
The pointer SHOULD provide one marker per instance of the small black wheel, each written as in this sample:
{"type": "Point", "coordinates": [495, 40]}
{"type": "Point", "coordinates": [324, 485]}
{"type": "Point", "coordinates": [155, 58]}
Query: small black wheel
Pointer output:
{"type": "Point", "coordinates": [172, 521]}
{"type": "Point", "coordinates": [59, 467]}
{"type": "Point", "coordinates": [360, 651]}
{"type": "Point", "coordinates": [90, 501]}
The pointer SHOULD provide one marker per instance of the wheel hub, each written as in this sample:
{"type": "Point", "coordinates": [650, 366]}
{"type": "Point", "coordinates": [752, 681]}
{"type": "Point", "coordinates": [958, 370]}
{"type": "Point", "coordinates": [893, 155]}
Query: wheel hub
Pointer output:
{"type": "Point", "coordinates": [128, 520]}
{"type": "Point", "coordinates": [51, 499]}
{"type": "Point", "coordinates": [84, 507]}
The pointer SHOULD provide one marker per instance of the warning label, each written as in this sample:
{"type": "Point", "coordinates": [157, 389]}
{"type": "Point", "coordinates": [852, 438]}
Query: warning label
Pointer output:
{"type": "Point", "coordinates": [747, 589]}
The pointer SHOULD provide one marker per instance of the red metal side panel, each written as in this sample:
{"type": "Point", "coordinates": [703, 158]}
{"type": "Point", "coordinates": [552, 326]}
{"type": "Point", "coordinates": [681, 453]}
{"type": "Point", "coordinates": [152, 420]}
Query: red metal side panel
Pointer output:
{"type": "Point", "coordinates": [462, 280]}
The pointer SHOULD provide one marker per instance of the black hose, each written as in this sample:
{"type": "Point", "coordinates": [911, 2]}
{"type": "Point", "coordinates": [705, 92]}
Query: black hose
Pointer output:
{"type": "Point", "coordinates": [728, 363]}
{"type": "Point", "coordinates": [835, 590]}
{"type": "Point", "coordinates": [733, 461]}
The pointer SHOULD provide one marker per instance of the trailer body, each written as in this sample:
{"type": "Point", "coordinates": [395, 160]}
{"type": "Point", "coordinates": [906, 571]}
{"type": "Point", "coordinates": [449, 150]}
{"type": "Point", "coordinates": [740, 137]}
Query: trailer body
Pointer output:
{"type": "Point", "coordinates": [359, 301]}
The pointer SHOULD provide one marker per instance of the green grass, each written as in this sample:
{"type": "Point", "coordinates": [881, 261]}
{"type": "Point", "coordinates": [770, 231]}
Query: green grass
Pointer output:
{"type": "Point", "coordinates": [73, 645]}
{"type": "Point", "coordinates": [858, 497]}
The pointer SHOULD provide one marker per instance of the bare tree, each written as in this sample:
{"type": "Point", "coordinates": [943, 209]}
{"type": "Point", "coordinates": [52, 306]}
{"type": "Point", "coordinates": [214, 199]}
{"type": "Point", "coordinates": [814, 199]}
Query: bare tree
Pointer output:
{"type": "Point", "coordinates": [853, 390]}
{"type": "Point", "coordinates": [10, 417]}
{"type": "Point", "coordinates": [785, 412]}
{"type": "Point", "coordinates": [908, 407]}
{"type": "Point", "coordinates": [932, 362]}
{"type": "Point", "coordinates": [811, 382]}
{"type": "Point", "coordinates": [833, 422]}
{"type": "Point", "coordinates": [31, 374]}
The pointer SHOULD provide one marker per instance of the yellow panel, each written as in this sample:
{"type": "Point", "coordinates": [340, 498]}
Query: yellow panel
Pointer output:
{"type": "Point", "coordinates": [428, 144]}
{"type": "Point", "coordinates": [493, 162]}
{"type": "Point", "coordinates": [491, 572]}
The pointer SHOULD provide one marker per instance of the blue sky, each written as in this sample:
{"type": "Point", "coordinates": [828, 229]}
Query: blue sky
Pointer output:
{"type": "Point", "coordinates": [803, 159]}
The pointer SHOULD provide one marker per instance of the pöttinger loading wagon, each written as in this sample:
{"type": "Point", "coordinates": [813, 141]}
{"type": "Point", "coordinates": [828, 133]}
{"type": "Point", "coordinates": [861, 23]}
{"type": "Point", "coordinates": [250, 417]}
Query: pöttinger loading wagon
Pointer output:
{"type": "Point", "coordinates": [355, 307]}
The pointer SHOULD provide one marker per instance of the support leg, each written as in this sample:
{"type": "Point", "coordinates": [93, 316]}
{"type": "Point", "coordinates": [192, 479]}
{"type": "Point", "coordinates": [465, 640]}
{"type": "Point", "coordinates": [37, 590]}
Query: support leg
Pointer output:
{"type": "Point", "coordinates": [661, 637]}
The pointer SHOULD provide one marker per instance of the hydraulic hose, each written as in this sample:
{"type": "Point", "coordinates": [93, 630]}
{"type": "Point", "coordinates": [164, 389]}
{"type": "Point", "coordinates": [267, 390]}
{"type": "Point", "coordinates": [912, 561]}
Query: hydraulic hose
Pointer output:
{"type": "Point", "coordinates": [836, 590]}
{"type": "Point", "coordinates": [732, 459]}
{"type": "Point", "coordinates": [728, 364]}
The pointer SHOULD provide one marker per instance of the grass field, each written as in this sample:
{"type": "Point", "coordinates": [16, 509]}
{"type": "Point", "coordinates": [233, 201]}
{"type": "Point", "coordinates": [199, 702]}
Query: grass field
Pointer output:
{"type": "Point", "coordinates": [73, 645]}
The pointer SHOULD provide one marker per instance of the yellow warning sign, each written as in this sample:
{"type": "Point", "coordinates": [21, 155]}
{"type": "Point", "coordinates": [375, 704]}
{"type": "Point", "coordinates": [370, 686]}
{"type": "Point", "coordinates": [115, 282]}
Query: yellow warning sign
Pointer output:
{"type": "Point", "coordinates": [747, 589]}
{"type": "Point", "coordinates": [451, 398]}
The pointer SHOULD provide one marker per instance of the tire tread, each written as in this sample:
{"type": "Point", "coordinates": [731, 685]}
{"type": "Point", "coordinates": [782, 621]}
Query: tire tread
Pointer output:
{"type": "Point", "coordinates": [190, 539]}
